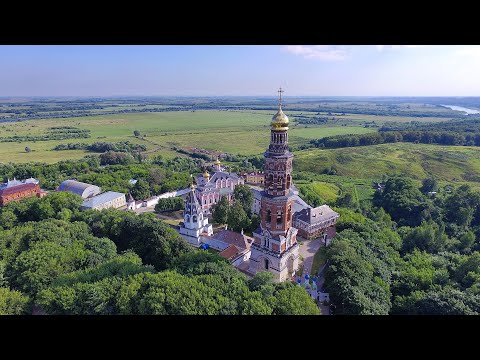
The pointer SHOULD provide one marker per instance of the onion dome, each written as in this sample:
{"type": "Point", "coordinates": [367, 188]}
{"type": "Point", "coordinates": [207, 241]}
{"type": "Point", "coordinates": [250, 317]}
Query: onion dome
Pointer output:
{"type": "Point", "coordinates": [280, 120]}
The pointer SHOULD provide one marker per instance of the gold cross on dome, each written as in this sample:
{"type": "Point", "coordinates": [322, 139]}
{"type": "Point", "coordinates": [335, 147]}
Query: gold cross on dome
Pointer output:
{"type": "Point", "coordinates": [280, 91]}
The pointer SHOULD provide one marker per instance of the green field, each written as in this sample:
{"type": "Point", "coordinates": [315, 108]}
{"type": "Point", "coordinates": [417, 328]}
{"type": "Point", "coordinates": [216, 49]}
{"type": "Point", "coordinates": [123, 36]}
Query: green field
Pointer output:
{"type": "Point", "coordinates": [235, 132]}
{"type": "Point", "coordinates": [448, 164]}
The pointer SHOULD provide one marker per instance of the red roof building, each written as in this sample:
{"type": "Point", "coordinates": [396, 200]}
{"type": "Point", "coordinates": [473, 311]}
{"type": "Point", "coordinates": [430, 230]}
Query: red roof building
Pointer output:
{"type": "Point", "coordinates": [230, 252]}
{"type": "Point", "coordinates": [19, 192]}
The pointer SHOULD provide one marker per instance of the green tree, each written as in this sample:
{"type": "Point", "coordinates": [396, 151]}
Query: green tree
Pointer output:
{"type": "Point", "coordinates": [220, 211]}
{"type": "Point", "coordinates": [64, 214]}
{"type": "Point", "coordinates": [462, 205]}
{"type": "Point", "coordinates": [429, 236]}
{"type": "Point", "coordinates": [416, 272]}
{"type": "Point", "coordinates": [244, 195]}
{"type": "Point", "coordinates": [153, 240]}
{"type": "Point", "coordinates": [429, 184]}
{"type": "Point", "coordinates": [13, 302]}
{"type": "Point", "coordinates": [347, 200]}
{"type": "Point", "coordinates": [402, 200]}
{"type": "Point", "coordinates": [136, 133]}
{"type": "Point", "coordinates": [141, 190]}
{"type": "Point", "coordinates": [294, 300]}
{"type": "Point", "coordinates": [8, 219]}
{"type": "Point", "coordinates": [254, 222]}
{"type": "Point", "coordinates": [170, 204]}
{"type": "Point", "coordinates": [467, 240]}
{"type": "Point", "coordinates": [27, 149]}
{"type": "Point", "coordinates": [237, 218]}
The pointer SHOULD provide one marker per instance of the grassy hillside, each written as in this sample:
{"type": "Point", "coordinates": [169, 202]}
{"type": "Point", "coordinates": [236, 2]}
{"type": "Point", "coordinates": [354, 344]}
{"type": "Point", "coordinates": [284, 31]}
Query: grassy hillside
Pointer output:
{"type": "Point", "coordinates": [448, 164]}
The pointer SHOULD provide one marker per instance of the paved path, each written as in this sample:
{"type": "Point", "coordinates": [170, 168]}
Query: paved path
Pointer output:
{"type": "Point", "coordinates": [308, 250]}
{"type": "Point", "coordinates": [145, 209]}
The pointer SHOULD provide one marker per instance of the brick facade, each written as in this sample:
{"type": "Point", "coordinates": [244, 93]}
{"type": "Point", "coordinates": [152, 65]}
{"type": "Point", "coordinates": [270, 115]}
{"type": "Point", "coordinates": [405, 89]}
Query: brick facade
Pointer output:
{"type": "Point", "coordinates": [19, 192]}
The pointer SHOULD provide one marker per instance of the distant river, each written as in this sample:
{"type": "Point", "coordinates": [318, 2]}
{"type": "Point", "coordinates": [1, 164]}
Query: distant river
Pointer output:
{"type": "Point", "coordinates": [460, 108]}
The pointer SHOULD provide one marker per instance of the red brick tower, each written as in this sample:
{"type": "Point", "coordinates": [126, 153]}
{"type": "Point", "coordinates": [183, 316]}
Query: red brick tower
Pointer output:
{"type": "Point", "coordinates": [275, 248]}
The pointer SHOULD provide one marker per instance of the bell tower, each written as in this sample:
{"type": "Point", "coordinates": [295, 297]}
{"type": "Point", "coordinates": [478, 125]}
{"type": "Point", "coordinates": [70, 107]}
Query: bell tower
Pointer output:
{"type": "Point", "coordinates": [275, 248]}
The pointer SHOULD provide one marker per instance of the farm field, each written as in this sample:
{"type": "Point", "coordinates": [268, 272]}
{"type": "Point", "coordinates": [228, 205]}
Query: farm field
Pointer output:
{"type": "Point", "coordinates": [244, 133]}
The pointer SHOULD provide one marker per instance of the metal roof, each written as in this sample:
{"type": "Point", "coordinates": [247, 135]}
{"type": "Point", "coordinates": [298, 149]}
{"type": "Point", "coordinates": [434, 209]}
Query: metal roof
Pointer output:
{"type": "Point", "coordinates": [75, 187]}
{"type": "Point", "coordinates": [102, 199]}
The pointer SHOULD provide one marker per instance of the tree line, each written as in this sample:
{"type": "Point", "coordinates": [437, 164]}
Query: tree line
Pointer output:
{"type": "Point", "coordinates": [101, 146]}
{"type": "Point", "coordinates": [385, 137]}
{"type": "Point", "coordinates": [59, 133]}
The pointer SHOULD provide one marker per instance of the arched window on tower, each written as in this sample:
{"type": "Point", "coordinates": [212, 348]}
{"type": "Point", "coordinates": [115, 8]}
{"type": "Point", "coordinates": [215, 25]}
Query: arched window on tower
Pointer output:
{"type": "Point", "coordinates": [269, 216]}
{"type": "Point", "coordinates": [266, 264]}
{"type": "Point", "coordinates": [289, 213]}
{"type": "Point", "coordinates": [194, 218]}
{"type": "Point", "coordinates": [280, 183]}
{"type": "Point", "coordinates": [289, 180]}
{"type": "Point", "coordinates": [270, 181]}
{"type": "Point", "coordinates": [279, 217]}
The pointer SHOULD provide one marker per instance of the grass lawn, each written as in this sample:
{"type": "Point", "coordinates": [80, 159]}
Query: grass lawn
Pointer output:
{"type": "Point", "coordinates": [319, 259]}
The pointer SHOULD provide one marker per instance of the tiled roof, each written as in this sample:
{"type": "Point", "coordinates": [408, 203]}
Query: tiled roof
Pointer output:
{"type": "Point", "coordinates": [242, 242]}
{"type": "Point", "coordinates": [230, 252]}
{"type": "Point", "coordinates": [18, 188]}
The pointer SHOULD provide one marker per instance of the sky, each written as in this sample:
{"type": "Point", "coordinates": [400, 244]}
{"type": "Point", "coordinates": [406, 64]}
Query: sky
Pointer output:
{"type": "Point", "coordinates": [240, 70]}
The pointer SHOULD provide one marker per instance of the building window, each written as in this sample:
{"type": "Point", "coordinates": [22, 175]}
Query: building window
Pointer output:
{"type": "Point", "coordinates": [280, 183]}
{"type": "Point", "coordinates": [269, 216]}
{"type": "Point", "coordinates": [266, 264]}
{"type": "Point", "coordinates": [266, 242]}
{"type": "Point", "coordinates": [279, 217]}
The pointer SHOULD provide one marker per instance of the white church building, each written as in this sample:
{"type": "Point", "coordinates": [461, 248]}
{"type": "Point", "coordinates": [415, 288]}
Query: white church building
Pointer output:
{"type": "Point", "coordinates": [195, 223]}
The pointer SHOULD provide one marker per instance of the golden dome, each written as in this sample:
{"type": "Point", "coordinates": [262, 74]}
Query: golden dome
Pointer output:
{"type": "Point", "coordinates": [206, 174]}
{"type": "Point", "coordinates": [192, 186]}
{"type": "Point", "coordinates": [280, 120]}
{"type": "Point", "coordinates": [217, 162]}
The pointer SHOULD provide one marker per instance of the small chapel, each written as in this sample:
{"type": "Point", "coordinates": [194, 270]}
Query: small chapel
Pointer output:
{"type": "Point", "coordinates": [195, 223]}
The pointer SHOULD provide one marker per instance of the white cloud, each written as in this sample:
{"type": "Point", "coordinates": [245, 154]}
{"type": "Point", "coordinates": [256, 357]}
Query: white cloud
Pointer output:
{"type": "Point", "coordinates": [319, 52]}
{"type": "Point", "coordinates": [396, 47]}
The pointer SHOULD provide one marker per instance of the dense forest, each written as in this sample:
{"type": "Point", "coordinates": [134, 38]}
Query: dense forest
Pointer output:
{"type": "Point", "coordinates": [407, 253]}
{"type": "Point", "coordinates": [55, 259]}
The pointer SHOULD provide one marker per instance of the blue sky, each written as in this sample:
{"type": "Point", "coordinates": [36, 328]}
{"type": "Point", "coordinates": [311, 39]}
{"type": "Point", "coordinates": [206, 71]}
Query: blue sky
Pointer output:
{"type": "Point", "coordinates": [303, 70]}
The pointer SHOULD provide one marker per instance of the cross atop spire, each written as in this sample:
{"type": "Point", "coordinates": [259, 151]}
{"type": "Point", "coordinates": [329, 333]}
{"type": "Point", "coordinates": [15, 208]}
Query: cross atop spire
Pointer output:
{"type": "Point", "coordinates": [280, 91]}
